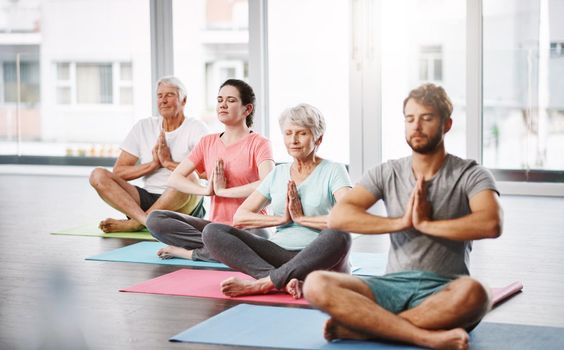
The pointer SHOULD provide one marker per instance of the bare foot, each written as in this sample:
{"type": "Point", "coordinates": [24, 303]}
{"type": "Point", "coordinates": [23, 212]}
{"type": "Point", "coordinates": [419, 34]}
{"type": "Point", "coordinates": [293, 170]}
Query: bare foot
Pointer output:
{"type": "Point", "coordinates": [115, 225]}
{"type": "Point", "coordinates": [234, 287]}
{"type": "Point", "coordinates": [171, 251]}
{"type": "Point", "coordinates": [333, 331]}
{"type": "Point", "coordinates": [294, 288]}
{"type": "Point", "coordinates": [454, 339]}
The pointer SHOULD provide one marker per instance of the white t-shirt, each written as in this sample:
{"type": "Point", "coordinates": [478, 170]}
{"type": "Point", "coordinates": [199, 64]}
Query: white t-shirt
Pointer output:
{"type": "Point", "coordinates": [143, 137]}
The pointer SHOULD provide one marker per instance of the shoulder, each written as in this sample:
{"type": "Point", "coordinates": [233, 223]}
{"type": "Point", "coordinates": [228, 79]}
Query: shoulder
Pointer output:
{"type": "Point", "coordinates": [392, 166]}
{"type": "Point", "coordinates": [471, 175]}
{"type": "Point", "coordinates": [258, 139]}
{"type": "Point", "coordinates": [210, 139]}
{"type": "Point", "coordinates": [207, 142]}
{"type": "Point", "coordinates": [327, 165]}
{"type": "Point", "coordinates": [282, 168]}
{"type": "Point", "coordinates": [280, 174]}
{"type": "Point", "coordinates": [147, 123]}
{"type": "Point", "coordinates": [463, 167]}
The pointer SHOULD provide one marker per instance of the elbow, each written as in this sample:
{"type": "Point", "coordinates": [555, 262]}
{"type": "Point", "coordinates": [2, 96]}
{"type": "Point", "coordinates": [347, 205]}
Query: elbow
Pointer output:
{"type": "Point", "coordinates": [237, 219]}
{"type": "Point", "coordinates": [336, 220]}
{"type": "Point", "coordinates": [494, 228]}
{"type": "Point", "coordinates": [171, 182]}
{"type": "Point", "coordinates": [498, 229]}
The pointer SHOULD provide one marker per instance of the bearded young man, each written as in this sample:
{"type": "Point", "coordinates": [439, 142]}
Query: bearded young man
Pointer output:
{"type": "Point", "coordinates": [437, 204]}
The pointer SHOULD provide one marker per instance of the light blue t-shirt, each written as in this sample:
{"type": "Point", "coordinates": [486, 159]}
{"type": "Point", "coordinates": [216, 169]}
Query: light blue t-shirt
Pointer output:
{"type": "Point", "coordinates": [316, 196]}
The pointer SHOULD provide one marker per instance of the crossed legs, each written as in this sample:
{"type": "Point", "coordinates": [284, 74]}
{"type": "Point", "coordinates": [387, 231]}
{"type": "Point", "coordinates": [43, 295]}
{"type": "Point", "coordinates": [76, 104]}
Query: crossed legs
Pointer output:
{"type": "Point", "coordinates": [124, 197]}
{"type": "Point", "coordinates": [274, 267]}
{"type": "Point", "coordinates": [438, 322]}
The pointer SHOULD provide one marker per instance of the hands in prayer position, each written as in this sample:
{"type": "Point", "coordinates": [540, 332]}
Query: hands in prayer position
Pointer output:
{"type": "Point", "coordinates": [217, 181]}
{"type": "Point", "coordinates": [418, 210]}
{"type": "Point", "coordinates": [294, 211]}
{"type": "Point", "coordinates": [161, 152]}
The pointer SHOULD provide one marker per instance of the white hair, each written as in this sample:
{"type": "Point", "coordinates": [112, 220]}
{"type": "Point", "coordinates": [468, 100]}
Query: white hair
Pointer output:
{"type": "Point", "coordinates": [306, 116]}
{"type": "Point", "coordinates": [174, 81]}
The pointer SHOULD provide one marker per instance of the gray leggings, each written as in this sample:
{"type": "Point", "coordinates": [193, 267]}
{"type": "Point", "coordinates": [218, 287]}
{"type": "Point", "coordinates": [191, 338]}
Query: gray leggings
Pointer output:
{"type": "Point", "coordinates": [259, 257]}
{"type": "Point", "coordinates": [182, 230]}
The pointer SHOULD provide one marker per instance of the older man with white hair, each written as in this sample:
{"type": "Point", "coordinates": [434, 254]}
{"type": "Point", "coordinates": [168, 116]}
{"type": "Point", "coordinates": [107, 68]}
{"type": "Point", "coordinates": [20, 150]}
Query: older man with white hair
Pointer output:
{"type": "Point", "coordinates": [151, 151]}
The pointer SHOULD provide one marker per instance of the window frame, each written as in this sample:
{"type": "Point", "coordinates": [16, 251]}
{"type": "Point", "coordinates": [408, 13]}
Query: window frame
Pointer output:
{"type": "Point", "coordinates": [72, 84]}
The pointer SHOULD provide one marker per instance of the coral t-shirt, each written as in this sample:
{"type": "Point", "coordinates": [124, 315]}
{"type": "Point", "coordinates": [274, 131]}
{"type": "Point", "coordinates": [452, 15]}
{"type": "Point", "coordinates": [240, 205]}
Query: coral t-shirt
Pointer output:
{"type": "Point", "coordinates": [241, 162]}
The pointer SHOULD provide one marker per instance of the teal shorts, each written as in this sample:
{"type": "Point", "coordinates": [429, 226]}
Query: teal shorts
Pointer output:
{"type": "Point", "coordinates": [400, 291]}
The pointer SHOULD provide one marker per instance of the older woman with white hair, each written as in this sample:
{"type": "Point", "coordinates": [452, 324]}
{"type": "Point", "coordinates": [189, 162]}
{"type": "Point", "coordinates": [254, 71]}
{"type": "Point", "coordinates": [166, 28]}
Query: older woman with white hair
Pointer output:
{"type": "Point", "coordinates": [301, 194]}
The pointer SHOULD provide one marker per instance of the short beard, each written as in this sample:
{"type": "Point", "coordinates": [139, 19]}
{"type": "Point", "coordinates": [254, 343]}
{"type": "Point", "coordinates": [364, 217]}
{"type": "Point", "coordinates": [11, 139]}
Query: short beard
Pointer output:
{"type": "Point", "coordinates": [429, 147]}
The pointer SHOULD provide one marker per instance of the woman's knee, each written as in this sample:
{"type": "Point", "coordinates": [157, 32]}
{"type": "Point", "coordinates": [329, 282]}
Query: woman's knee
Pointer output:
{"type": "Point", "coordinates": [156, 220]}
{"type": "Point", "coordinates": [342, 239]}
{"type": "Point", "coordinates": [213, 232]}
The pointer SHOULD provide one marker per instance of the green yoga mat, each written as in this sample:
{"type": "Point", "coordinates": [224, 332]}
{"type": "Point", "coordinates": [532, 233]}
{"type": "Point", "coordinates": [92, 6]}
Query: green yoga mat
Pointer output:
{"type": "Point", "coordinates": [94, 231]}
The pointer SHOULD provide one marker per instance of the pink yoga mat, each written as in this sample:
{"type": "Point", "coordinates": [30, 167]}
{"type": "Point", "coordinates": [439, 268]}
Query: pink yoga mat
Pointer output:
{"type": "Point", "coordinates": [205, 284]}
{"type": "Point", "coordinates": [501, 294]}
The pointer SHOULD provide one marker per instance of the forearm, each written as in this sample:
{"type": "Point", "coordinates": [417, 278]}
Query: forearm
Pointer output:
{"type": "Point", "coordinates": [315, 222]}
{"type": "Point", "coordinates": [255, 220]}
{"type": "Point", "coordinates": [131, 172]}
{"type": "Point", "coordinates": [351, 219]}
{"type": "Point", "coordinates": [170, 165]}
{"type": "Point", "coordinates": [474, 226]}
{"type": "Point", "coordinates": [187, 185]}
{"type": "Point", "coordinates": [238, 191]}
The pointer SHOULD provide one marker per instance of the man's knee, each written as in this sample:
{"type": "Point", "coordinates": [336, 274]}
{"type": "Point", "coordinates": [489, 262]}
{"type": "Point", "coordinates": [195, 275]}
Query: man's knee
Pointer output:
{"type": "Point", "coordinates": [472, 295]}
{"type": "Point", "coordinates": [316, 286]}
{"type": "Point", "coordinates": [98, 177]}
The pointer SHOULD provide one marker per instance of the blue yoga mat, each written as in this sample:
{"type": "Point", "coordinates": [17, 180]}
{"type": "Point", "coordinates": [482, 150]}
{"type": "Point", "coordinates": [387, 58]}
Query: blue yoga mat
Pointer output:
{"type": "Point", "coordinates": [294, 328]}
{"type": "Point", "coordinates": [364, 264]}
{"type": "Point", "coordinates": [146, 253]}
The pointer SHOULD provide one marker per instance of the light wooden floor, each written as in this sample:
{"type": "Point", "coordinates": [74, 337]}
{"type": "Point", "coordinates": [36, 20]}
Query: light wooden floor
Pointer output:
{"type": "Point", "coordinates": [51, 296]}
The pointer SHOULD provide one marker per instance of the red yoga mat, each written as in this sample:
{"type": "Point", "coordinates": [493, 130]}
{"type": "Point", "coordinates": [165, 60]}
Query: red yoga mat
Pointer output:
{"type": "Point", "coordinates": [205, 284]}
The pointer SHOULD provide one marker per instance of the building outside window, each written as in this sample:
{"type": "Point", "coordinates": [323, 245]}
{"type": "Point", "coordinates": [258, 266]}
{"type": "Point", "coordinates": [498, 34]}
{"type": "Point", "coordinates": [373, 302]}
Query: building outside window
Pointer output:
{"type": "Point", "coordinates": [94, 83]}
{"type": "Point", "coordinates": [431, 63]}
{"type": "Point", "coordinates": [81, 90]}
{"type": "Point", "coordinates": [211, 45]}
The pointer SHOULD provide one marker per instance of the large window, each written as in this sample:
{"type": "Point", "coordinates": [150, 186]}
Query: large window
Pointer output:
{"type": "Point", "coordinates": [422, 41]}
{"type": "Point", "coordinates": [211, 45]}
{"type": "Point", "coordinates": [309, 62]}
{"type": "Point", "coordinates": [74, 76]}
{"type": "Point", "coordinates": [523, 123]}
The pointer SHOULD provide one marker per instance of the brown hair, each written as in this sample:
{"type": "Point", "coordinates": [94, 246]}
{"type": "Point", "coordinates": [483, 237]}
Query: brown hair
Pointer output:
{"type": "Point", "coordinates": [246, 94]}
{"type": "Point", "coordinates": [434, 96]}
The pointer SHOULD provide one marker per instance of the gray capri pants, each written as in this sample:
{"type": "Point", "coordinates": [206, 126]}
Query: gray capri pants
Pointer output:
{"type": "Point", "coordinates": [185, 231]}
{"type": "Point", "coordinates": [259, 257]}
